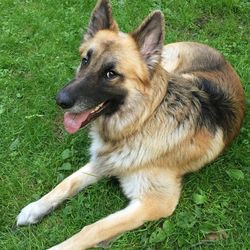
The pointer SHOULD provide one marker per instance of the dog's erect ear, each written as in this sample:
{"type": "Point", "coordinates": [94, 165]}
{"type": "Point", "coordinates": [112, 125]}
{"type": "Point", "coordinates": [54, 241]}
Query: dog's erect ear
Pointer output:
{"type": "Point", "coordinates": [101, 19]}
{"type": "Point", "coordinates": [149, 38]}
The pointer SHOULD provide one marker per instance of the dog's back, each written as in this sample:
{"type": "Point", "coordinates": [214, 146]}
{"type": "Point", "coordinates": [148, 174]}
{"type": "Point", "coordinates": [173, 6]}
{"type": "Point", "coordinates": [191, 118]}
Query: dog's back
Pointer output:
{"type": "Point", "coordinates": [204, 66]}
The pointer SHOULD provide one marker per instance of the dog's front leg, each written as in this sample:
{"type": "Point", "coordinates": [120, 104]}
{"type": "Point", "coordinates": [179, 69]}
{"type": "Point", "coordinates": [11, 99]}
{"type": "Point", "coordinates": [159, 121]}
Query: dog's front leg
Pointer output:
{"type": "Point", "coordinates": [33, 212]}
{"type": "Point", "coordinates": [133, 216]}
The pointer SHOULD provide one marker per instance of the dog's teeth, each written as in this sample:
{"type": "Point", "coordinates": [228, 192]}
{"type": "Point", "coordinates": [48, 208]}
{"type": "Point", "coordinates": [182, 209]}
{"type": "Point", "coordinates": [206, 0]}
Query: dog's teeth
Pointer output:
{"type": "Point", "coordinates": [97, 108]}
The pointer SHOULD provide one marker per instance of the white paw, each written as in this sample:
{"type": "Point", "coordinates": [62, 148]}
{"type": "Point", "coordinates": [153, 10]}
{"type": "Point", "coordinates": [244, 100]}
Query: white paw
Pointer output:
{"type": "Point", "coordinates": [60, 247]}
{"type": "Point", "coordinates": [32, 213]}
{"type": "Point", "coordinates": [53, 248]}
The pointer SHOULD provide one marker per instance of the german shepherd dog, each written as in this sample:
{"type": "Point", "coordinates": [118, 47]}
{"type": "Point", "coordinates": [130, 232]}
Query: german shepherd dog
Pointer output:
{"type": "Point", "coordinates": [157, 112]}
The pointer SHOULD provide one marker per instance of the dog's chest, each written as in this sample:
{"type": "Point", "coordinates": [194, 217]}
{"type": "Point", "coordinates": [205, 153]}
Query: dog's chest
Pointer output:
{"type": "Point", "coordinates": [116, 158]}
{"type": "Point", "coordinates": [133, 152]}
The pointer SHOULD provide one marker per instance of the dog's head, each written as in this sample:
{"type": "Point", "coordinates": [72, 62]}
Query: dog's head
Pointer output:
{"type": "Point", "coordinates": [113, 66]}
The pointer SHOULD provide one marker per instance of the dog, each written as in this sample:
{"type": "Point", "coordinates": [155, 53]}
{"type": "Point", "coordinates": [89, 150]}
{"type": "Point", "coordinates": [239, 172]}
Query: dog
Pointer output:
{"type": "Point", "coordinates": [156, 112]}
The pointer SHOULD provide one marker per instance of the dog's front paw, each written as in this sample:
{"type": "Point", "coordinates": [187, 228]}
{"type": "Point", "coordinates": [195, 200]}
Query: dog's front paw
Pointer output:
{"type": "Point", "coordinates": [54, 248]}
{"type": "Point", "coordinates": [31, 214]}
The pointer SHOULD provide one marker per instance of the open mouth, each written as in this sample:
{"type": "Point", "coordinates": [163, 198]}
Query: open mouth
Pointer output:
{"type": "Point", "coordinates": [74, 121]}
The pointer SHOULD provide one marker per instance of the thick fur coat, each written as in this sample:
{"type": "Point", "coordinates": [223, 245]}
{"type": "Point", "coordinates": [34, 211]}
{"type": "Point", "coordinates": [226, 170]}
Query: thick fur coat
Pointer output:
{"type": "Point", "coordinates": [157, 112]}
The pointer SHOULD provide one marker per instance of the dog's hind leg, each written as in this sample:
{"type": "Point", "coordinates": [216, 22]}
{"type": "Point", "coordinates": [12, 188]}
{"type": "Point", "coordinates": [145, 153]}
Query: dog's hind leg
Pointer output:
{"type": "Point", "coordinates": [152, 205]}
{"type": "Point", "coordinates": [35, 211]}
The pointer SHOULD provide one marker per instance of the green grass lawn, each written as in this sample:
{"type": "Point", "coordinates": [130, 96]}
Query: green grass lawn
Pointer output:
{"type": "Point", "coordinates": [38, 54]}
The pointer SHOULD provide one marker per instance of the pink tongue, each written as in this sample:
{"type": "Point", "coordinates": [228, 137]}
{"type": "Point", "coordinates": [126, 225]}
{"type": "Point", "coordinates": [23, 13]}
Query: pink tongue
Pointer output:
{"type": "Point", "coordinates": [73, 122]}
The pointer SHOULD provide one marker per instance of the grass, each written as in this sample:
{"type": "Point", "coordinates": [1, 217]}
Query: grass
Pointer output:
{"type": "Point", "coordinates": [38, 48]}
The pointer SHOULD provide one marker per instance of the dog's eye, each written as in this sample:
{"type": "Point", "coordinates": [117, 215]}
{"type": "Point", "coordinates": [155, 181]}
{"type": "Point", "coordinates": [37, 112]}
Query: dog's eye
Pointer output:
{"type": "Point", "coordinates": [110, 74]}
{"type": "Point", "coordinates": [85, 60]}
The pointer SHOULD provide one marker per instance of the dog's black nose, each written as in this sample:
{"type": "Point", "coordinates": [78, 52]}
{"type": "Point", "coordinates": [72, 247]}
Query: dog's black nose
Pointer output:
{"type": "Point", "coordinates": [64, 100]}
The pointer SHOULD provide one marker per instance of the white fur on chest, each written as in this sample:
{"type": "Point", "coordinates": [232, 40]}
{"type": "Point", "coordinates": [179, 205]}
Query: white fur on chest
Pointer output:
{"type": "Point", "coordinates": [136, 151]}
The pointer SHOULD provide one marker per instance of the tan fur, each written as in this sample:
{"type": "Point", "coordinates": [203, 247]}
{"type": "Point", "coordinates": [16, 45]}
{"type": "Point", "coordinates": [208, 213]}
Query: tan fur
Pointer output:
{"type": "Point", "coordinates": [148, 143]}
{"type": "Point", "coordinates": [181, 58]}
{"type": "Point", "coordinates": [107, 42]}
